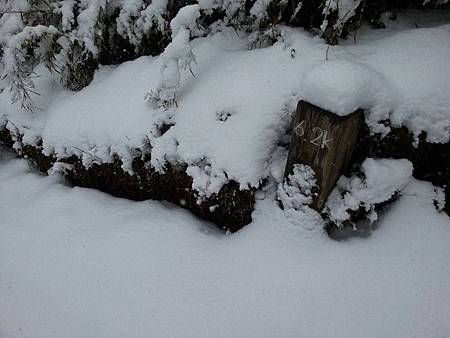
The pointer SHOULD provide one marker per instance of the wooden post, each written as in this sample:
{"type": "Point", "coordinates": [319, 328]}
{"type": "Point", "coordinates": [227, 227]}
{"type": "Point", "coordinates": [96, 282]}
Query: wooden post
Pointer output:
{"type": "Point", "coordinates": [325, 142]}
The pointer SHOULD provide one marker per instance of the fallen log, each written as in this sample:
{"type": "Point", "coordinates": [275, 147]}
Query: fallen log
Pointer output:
{"type": "Point", "coordinates": [431, 161]}
{"type": "Point", "coordinates": [230, 209]}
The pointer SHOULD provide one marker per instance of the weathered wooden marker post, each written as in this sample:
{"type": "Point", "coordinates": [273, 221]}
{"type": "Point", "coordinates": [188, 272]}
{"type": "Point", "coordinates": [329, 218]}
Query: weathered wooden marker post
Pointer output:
{"type": "Point", "coordinates": [325, 142]}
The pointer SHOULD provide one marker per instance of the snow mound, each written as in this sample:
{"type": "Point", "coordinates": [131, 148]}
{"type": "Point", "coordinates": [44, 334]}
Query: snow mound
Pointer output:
{"type": "Point", "coordinates": [416, 63]}
{"type": "Point", "coordinates": [296, 194]}
{"type": "Point", "coordinates": [231, 117]}
{"type": "Point", "coordinates": [343, 86]}
{"type": "Point", "coordinates": [298, 190]}
{"type": "Point", "coordinates": [382, 179]}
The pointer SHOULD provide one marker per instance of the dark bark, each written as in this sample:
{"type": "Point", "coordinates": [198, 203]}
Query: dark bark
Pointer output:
{"type": "Point", "coordinates": [431, 160]}
{"type": "Point", "coordinates": [230, 209]}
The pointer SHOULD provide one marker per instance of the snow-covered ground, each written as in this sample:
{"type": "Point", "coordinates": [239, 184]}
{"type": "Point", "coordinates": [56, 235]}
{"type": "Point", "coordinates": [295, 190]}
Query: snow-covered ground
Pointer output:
{"type": "Point", "coordinates": [79, 263]}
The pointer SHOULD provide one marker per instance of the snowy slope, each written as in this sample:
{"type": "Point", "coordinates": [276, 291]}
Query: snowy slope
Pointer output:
{"type": "Point", "coordinates": [232, 115]}
{"type": "Point", "coordinates": [78, 263]}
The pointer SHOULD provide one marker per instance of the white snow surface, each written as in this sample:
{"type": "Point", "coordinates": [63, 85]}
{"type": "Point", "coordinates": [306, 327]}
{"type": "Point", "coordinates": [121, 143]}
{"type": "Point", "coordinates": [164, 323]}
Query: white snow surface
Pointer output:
{"type": "Point", "coordinates": [401, 73]}
{"type": "Point", "coordinates": [343, 86]}
{"type": "Point", "coordinates": [383, 177]}
{"type": "Point", "coordinates": [297, 191]}
{"type": "Point", "coordinates": [76, 262]}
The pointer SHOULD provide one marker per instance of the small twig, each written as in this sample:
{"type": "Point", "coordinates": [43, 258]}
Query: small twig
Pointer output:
{"type": "Point", "coordinates": [25, 12]}
{"type": "Point", "coordinates": [192, 73]}
{"type": "Point", "coordinates": [328, 49]}
{"type": "Point", "coordinates": [359, 20]}
{"type": "Point", "coordinates": [9, 121]}
{"type": "Point", "coordinates": [89, 153]}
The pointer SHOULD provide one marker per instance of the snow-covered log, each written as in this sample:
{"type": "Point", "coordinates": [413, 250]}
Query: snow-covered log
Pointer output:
{"type": "Point", "coordinates": [230, 209]}
{"type": "Point", "coordinates": [354, 204]}
{"type": "Point", "coordinates": [431, 161]}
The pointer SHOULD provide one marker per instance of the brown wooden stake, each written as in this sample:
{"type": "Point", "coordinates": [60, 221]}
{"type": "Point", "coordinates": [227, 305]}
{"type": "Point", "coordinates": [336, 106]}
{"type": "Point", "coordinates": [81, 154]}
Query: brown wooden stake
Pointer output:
{"type": "Point", "coordinates": [325, 142]}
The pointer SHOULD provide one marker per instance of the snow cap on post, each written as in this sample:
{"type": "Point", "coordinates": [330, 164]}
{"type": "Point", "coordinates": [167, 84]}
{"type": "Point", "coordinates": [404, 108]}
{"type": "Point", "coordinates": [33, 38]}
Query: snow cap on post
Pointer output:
{"type": "Point", "coordinates": [330, 117]}
{"type": "Point", "coordinates": [342, 87]}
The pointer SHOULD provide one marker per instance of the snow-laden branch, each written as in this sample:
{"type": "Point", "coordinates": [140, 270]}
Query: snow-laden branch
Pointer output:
{"type": "Point", "coordinates": [177, 56]}
{"type": "Point", "coordinates": [18, 64]}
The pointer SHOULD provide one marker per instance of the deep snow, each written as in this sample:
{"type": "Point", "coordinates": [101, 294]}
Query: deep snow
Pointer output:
{"type": "Point", "coordinates": [232, 115]}
{"type": "Point", "coordinates": [75, 262]}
